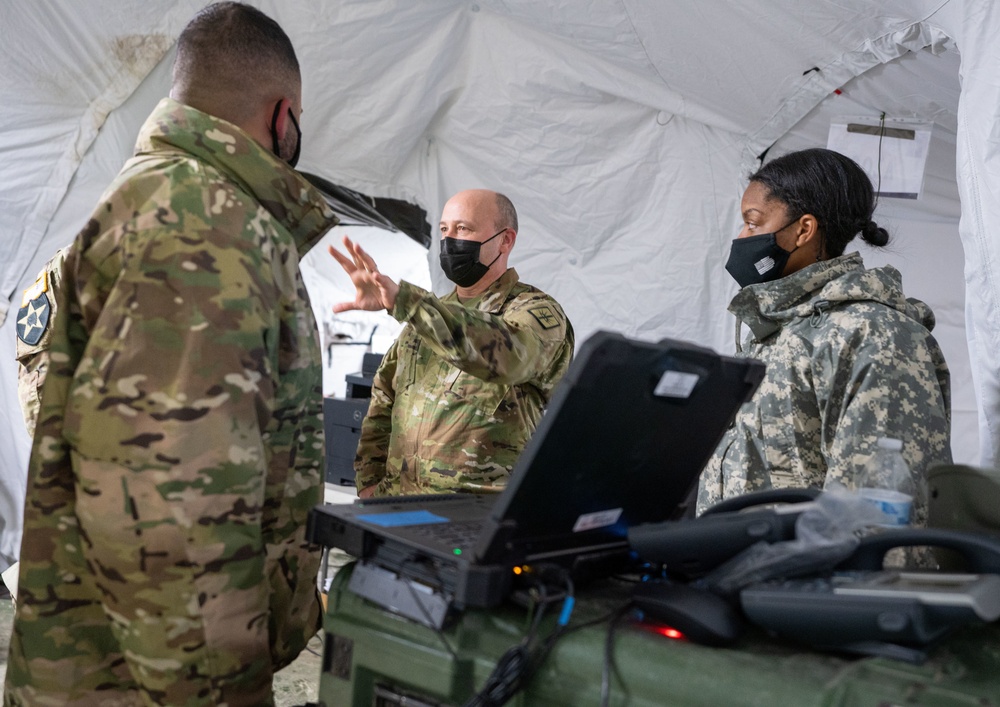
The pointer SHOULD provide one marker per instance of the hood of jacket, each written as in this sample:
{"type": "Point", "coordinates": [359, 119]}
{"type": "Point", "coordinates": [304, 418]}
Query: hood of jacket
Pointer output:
{"type": "Point", "coordinates": [810, 292]}
{"type": "Point", "coordinates": [293, 201]}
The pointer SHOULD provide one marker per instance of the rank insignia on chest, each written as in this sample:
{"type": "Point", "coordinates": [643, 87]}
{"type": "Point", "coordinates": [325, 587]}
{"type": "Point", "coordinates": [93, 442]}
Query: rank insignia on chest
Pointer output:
{"type": "Point", "coordinates": [545, 317]}
{"type": "Point", "coordinates": [33, 316]}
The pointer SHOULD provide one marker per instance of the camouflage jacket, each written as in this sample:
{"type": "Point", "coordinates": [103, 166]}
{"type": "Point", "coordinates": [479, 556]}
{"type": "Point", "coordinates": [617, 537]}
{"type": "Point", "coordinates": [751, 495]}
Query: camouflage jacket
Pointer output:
{"type": "Point", "coordinates": [849, 359]}
{"type": "Point", "coordinates": [461, 390]}
{"type": "Point", "coordinates": [38, 310]}
{"type": "Point", "coordinates": [179, 446]}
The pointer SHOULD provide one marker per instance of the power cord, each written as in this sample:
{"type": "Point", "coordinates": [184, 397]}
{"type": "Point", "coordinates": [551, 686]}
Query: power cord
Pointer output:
{"type": "Point", "coordinates": [608, 666]}
{"type": "Point", "coordinates": [517, 665]}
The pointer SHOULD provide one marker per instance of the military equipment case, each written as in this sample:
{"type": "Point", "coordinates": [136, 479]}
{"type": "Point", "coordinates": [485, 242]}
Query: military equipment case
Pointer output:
{"type": "Point", "coordinates": [373, 657]}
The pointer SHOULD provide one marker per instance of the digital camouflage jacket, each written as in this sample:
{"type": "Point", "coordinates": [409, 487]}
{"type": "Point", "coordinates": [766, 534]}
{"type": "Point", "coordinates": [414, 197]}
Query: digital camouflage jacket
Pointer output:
{"type": "Point", "coordinates": [179, 446]}
{"type": "Point", "coordinates": [461, 390]}
{"type": "Point", "coordinates": [849, 359]}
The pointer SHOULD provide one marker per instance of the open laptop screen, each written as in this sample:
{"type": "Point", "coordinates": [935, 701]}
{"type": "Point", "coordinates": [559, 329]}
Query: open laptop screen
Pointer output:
{"type": "Point", "coordinates": [623, 441]}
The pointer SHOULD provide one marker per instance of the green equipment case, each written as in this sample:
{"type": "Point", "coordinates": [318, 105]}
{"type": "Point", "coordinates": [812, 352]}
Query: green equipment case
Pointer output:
{"type": "Point", "coordinates": [375, 658]}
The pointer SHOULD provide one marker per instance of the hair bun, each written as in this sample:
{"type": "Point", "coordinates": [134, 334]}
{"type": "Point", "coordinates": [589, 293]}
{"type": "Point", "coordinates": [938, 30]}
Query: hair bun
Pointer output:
{"type": "Point", "coordinates": [873, 234]}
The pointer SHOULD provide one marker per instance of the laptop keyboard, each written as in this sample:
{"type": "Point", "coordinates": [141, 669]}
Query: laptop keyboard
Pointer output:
{"type": "Point", "coordinates": [460, 533]}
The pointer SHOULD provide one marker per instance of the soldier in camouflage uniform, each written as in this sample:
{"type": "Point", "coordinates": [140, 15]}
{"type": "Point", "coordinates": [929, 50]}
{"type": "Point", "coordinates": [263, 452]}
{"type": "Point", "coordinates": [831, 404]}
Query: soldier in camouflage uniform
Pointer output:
{"type": "Point", "coordinates": [849, 358]}
{"type": "Point", "coordinates": [38, 310]}
{"type": "Point", "coordinates": [461, 390]}
{"type": "Point", "coordinates": [179, 446]}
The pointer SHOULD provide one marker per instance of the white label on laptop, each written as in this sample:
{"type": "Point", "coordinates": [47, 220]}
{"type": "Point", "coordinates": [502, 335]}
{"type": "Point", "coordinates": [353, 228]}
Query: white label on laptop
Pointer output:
{"type": "Point", "coordinates": [601, 519]}
{"type": "Point", "coordinates": [676, 384]}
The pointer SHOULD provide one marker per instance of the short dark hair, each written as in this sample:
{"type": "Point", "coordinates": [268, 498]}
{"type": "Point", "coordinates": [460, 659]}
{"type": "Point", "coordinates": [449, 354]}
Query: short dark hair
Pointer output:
{"type": "Point", "coordinates": [506, 213]}
{"type": "Point", "coordinates": [235, 48]}
{"type": "Point", "coordinates": [830, 186]}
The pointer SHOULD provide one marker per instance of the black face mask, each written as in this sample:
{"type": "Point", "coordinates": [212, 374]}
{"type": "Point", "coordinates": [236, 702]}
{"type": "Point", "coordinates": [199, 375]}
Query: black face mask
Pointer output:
{"type": "Point", "coordinates": [460, 260]}
{"type": "Point", "coordinates": [275, 147]}
{"type": "Point", "coordinates": [757, 259]}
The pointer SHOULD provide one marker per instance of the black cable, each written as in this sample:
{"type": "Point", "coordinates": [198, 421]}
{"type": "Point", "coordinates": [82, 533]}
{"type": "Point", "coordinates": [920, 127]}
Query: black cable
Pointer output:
{"type": "Point", "coordinates": [505, 680]}
{"type": "Point", "coordinates": [318, 637]}
{"type": "Point", "coordinates": [542, 602]}
{"type": "Point", "coordinates": [513, 669]}
{"type": "Point", "coordinates": [561, 625]}
{"type": "Point", "coordinates": [881, 134]}
{"type": "Point", "coordinates": [608, 665]}
{"type": "Point", "coordinates": [518, 664]}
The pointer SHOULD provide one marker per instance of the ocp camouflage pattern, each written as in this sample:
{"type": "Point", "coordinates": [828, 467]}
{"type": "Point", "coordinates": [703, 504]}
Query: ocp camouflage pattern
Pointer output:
{"type": "Point", "coordinates": [33, 355]}
{"type": "Point", "coordinates": [461, 390]}
{"type": "Point", "coordinates": [179, 446]}
{"type": "Point", "coordinates": [849, 359]}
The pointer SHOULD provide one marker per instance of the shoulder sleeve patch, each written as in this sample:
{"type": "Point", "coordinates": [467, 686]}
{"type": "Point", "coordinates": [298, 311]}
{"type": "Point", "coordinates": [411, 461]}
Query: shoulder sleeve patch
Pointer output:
{"type": "Point", "coordinates": [545, 316]}
{"type": "Point", "coordinates": [32, 319]}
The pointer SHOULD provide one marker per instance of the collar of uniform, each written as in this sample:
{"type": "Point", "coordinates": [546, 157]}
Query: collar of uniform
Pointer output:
{"type": "Point", "coordinates": [493, 297]}
{"type": "Point", "coordinates": [293, 201]}
{"type": "Point", "coordinates": [764, 306]}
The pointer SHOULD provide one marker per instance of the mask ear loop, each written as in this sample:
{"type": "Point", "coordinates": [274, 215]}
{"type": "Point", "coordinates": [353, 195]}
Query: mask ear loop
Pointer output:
{"type": "Point", "coordinates": [274, 131]}
{"type": "Point", "coordinates": [298, 143]}
{"type": "Point", "coordinates": [498, 252]}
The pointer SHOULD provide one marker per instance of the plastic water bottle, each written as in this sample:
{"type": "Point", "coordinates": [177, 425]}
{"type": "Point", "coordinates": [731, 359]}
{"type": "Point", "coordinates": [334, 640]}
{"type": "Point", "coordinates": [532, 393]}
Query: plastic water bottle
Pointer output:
{"type": "Point", "coordinates": [888, 484]}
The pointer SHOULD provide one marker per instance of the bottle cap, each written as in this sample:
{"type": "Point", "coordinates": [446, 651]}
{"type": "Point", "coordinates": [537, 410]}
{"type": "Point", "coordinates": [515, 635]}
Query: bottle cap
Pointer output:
{"type": "Point", "coordinates": [890, 443]}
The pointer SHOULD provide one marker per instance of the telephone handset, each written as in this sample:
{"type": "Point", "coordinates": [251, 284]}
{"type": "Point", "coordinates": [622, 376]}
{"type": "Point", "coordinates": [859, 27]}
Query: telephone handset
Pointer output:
{"type": "Point", "coordinates": [691, 548]}
{"type": "Point", "coordinates": [981, 552]}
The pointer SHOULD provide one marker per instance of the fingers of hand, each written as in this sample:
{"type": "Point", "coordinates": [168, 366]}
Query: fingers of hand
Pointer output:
{"type": "Point", "coordinates": [368, 261]}
{"type": "Point", "coordinates": [354, 249]}
{"type": "Point", "coordinates": [341, 258]}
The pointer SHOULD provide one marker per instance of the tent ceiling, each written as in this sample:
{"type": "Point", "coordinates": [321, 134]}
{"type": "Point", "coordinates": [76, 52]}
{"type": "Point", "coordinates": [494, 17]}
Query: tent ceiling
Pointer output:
{"type": "Point", "coordinates": [919, 86]}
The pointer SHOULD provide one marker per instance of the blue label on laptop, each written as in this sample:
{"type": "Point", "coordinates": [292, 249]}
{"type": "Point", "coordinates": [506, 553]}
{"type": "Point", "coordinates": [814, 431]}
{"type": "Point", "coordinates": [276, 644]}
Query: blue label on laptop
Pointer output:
{"type": "Point", "coordinates": [395, 520]}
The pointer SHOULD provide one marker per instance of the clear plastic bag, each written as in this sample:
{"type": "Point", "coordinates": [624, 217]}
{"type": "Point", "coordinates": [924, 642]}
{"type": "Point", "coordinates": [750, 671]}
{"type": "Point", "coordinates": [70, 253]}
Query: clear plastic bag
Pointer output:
{"type": "Point", "coordinates": [826, 533]}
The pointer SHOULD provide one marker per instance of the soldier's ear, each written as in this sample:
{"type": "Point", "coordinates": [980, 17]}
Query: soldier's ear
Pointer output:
{"type": "Point", "coordinates": [807, 230]}
{"type": "Point", "coordinates": [279, 119]}
{"type": "Point", "coordinates": [508, 239]}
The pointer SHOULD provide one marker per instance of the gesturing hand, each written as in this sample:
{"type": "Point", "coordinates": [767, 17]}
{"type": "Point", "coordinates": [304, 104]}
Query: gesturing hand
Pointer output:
{"type": "Point", "coordinates": [374, 290]}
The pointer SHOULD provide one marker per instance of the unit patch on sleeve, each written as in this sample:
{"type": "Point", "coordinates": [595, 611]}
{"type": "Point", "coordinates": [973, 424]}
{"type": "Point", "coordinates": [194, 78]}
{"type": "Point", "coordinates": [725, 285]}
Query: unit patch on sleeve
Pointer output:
{"type": "Point", "coordinates": [33, 316]}
{"type": "Point", "coordinates": [545, 317]}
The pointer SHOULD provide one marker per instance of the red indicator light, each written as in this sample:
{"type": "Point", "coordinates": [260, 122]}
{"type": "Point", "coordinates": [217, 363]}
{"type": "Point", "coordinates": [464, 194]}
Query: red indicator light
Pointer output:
{"type": "Point", "coordinates": [664, 630]}
{"type": "Point", "coordinates": [669, 632]}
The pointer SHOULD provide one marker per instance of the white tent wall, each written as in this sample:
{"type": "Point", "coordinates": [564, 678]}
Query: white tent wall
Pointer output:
{"type": "Point", "coordinates": [621, 130]}
{"type": "Point", "coordinates": [976, 26]}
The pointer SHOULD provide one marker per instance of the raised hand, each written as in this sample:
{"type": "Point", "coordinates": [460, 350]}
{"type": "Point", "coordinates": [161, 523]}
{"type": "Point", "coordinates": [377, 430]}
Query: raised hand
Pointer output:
{"type": "Point", "coordinates": [374, 290]}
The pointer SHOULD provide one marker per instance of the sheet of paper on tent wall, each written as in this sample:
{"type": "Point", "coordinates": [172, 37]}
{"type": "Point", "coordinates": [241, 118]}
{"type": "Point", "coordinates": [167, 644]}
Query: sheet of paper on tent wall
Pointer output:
{"type": "Point", "coordinates": [893, 154]}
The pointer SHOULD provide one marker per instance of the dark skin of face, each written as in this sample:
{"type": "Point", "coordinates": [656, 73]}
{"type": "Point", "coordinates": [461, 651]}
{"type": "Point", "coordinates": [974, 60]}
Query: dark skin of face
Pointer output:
{"type": "Point", "coordinates": [762, 213]}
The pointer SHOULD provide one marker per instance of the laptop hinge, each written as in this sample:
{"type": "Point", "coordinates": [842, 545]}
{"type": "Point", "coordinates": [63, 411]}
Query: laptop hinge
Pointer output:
{"type": "Point", "coordinates": [494, 543]}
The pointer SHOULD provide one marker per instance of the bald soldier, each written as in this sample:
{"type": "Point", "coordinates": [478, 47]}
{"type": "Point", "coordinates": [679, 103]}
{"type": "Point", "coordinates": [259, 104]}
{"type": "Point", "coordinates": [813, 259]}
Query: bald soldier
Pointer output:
{"type": "Point", "coordinates": [179, 447]}
{"type": "Point", "coordinates": [461, 390]}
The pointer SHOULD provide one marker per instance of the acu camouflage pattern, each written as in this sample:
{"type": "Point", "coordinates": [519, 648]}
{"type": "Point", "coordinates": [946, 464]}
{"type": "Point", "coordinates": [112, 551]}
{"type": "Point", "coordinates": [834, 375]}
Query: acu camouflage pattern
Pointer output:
{"type": "Point", "coordinates": [179, 446]}
{"type": "Point", "coordinates": [461, 390]}
{"type": "Point", "coordinates": [33, 358]}
{"type": "Point", "coordinates": [849, 359]}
